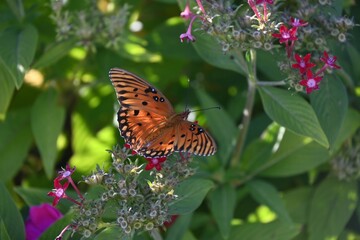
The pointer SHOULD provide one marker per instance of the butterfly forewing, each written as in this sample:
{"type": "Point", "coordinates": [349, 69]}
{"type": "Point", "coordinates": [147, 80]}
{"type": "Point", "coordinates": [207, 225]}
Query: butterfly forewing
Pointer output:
{"type": "Point", "coordinates": [135, 93]}
{"type": "Point", "coordinates": [148, 123]}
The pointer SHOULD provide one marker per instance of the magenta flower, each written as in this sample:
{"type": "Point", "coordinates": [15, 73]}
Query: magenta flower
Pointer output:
{"type": "Point", "coordinates": [187, 14]}
{"type": "Point", "coordinates": [286, 34]}
{"type": "Point", "coordinates": [329, 61]}
{"type": "Point", "coordinates": [295, 22]}
{"type": "Point", "coordinates": [303, 64]}
{"type": "Point", "coordinates": [59, 191]}
{"type": "Point", "coordinates": [311, 82]}
{"type": "Point", "coordinates": [154, 163]}
{"type": "Point", "coordinates": [188, 34]}
{"type": "Point", "coordinates": [40, 218]}
{"type": "Point", "coordinates": [257, 2]}
{"type": "Point", "coordinates": [65, 173]}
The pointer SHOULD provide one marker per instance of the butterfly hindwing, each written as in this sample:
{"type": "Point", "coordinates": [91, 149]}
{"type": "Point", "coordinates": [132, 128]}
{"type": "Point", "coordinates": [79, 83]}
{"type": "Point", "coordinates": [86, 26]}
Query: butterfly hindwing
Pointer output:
{"type": "Point", "coordinates": [192, 138]}
{"type": "Point", "coordinates": [135, 93]}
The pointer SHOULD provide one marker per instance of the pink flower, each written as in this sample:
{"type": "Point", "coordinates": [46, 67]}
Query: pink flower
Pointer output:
{"type": "Point", "coordinates": [329, 61]}
{"type": "Point", "coordinates": [303, 64]}
{"type": "Point", "coordinates": [295, 22]}
{"type": "Point", "coordinates": [187, 14]}
{"type": "Point", "coordinates": [171, 221]}
{"type": "Point", "coordinates": [257, 2]}
{"type": "Point", "coordinates": [154, 163]}
{"type": "Point", "coordinates": [311, 82]}
{"type": "Point", "coordinates": [188, 34]}
{"type": "Point", "coordinates": [59, 191]}
{"type": "Point", "coordinates": [285, 34]}
{"type": "Point", "coordinates": [40, 218]}
{"type": "Point", "coordinates": [65, 173]}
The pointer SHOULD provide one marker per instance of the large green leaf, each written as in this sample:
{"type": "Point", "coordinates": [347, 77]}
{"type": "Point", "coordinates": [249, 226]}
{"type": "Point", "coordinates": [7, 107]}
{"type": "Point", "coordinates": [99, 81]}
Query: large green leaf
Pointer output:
{"type": "Point", "coordinates": [221, 125]}
{"type": "Point", "coordinates": [179, 227]}
{"type": "Point", "coordinates": [17, 50]}
{"type": "Point", "coordinates": [330, 105]}
{"type": "Point", "coordinates": [47, 120]}
{"type": "Point", "coordinates": [10, 216]}
{"type": "Point", "coordinates": [332, 205]}
{"type": "Point", "coordinates": [297, 203]}
{"type": "Point", "coordinates": [54, 230]}
{"type": "Point", "coordinates": [4, 235]}
{"type": "Point", "coordinates": [276, 230]}
{"type": "Point", "coordinates": [7, 89]}
{"type": "Point", "coordinates": [265, 193]}
{"type": "Point", "coordinates": [191, 194]}
{"type": "Point", "coordinates": [292, 112]}
{"type": "Point", "coordinates": [17, 8]}
{"type": "Point", "coordinates": [54, 53]}
{"type": "Point", "coordinates": [295, 155]}
{"type": "Point", "coordinates": [350, 125]}
{"type": "Point", "coordinates": [222, 206]}
{"type": "Point", "coordinates": [15, 141]}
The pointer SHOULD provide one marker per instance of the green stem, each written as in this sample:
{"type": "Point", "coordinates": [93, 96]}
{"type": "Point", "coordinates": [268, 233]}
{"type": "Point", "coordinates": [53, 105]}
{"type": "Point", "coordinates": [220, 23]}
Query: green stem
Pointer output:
{"type": "Point", "coordinates": [244, 126]}
{"type": "Point", "coordinates": [277, 83]}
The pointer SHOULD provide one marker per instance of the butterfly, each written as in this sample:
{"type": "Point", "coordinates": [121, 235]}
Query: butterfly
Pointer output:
{"type": "Point", "coordinates": [149, 124]}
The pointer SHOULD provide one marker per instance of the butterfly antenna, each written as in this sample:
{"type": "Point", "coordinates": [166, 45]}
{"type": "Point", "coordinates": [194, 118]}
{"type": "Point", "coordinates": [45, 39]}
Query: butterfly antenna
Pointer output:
{"type": "Point", "coordinates": [187, 97]}
{"type": "Point", "coordinates": [203, 109]}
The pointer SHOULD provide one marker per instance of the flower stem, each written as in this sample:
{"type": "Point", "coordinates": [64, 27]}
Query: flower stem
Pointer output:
{"type": "Point", "coordinates": [277, 83]}
{"type": "Point", "coordinates": [244, 126]}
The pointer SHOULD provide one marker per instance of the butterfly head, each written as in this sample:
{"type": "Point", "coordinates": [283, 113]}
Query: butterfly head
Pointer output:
{"type": "Point", "coordinates": [185, 114]}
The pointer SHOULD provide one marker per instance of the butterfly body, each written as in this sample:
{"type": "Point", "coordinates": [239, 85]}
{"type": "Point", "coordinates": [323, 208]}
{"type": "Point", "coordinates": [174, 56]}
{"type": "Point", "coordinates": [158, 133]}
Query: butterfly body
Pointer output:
{"type": "Point", "coordinates": [149, 124]}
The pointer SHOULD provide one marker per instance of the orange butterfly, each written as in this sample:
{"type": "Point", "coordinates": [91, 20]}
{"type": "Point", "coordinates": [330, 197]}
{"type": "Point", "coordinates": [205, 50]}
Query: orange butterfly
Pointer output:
{"type": "Point", "coordinates": [149, 124]}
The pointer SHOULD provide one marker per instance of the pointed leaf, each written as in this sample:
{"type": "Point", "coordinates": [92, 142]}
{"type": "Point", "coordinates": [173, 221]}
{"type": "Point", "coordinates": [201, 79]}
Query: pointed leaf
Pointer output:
{"type": "Point", "coordinates": [54, 230]}
{"type": "Point", "coordinates": [47, 120]}
{"type": "Point", "coordinates": [269, 231]}
{"type": "Point", "coordinates": [10, 215]}
{"type": "Point", "coordinates": [15, 141]}
{"type": "Point", "coordinates": [297, 203]}
{"type": "Point", "coordinates": [191, 194]}
{"type": "Point", "coordinates": [265, 193]}
{"type": "Point", "coordinates": [179, 228]}
{"type": "Point", "coordinates": [292, 112]}
{"type": "Point", "coordinates": [221, 125]}
{"type": "Point", "coordinates": [54, 53]}
{"type": "Point", "coordinates": [222, 205]}
{"type": "Point", "coordinates": [7, 89]}
{"type": "Point", "coordinates": [3, 232]}
{"type": "Point", "coordinates": [350, 124]}
{"type": "Point", "coordinates": [332, 205]}
{"type": "Point", "coordinates": [295, 155]}
{"type": "Point", "coordinates": [330, 105]}
{"type": "Point", "coordinates": [17, 50]}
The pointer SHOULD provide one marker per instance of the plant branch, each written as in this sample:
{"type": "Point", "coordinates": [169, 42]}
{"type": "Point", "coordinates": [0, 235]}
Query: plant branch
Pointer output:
{"type": "Point", "coordinates": [244, 126]}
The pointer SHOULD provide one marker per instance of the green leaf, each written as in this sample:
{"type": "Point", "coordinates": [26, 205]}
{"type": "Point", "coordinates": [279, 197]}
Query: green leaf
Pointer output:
{"type": "Point", "coordinates": [17, 50]}
{"type": "Point", "coordinates": [10, 215]}
{"type": "Point", "coordinates": [3, 232]}
{"type": "Point", "coordinates": [54, 230]}
{"type": "Point", "coordinates": [47, 120]}
{"type": "Point", "coordinates": [297, 203]}
{"type": "Point", "coordinates": [295, 155]}
{"type": "Point", "coordinates": [191, 194]}
{"type": "Point", "coordinates": [350, 124]}
{"type": "Point", "coordinates": [15, 142]}
{"type": "Point", "coordinates": [112, 233]}
{"type": "Point", "coordinates": [221, 125]}
{"type": "Point", "coordinates": [17, 8]}
{"type": "Point", "coordinates": [222, 206]}
{"type": "Point", "coordinates": [265, 193]}
{"type": "Point", "coordinates": [54, 53]}
{"type": "Point", "coordinates": [179, 227]}
{"type": "Point", "coordinates": [332, 205]}
{"type": "Point", "coordinates": [330, 105]}
{"type": "Point", "coordinates": [269, 231]}
{"type": "Point", "coordinates": [7, 89]}
{"type": "Point", "coordinates": [292, 112]}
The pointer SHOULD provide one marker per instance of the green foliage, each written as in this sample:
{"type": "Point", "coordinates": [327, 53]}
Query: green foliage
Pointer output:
{"type": "Point", "coordinates": [57, 107]}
